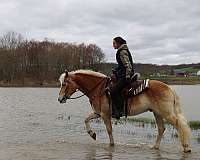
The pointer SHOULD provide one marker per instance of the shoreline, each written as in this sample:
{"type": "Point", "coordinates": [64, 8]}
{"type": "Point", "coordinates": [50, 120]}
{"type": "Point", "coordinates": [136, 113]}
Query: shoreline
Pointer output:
{"type": "Point", "coordinates": [194, 124]}
{"type": "Point", "coordinates": [57, 84]}
{"type": "Point", "coordinates": [31, 84]}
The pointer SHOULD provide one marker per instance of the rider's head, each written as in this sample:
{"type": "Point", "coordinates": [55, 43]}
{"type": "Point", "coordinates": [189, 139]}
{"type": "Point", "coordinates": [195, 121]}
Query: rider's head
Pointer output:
{"type": "Point", "coordinates": [117, 42]}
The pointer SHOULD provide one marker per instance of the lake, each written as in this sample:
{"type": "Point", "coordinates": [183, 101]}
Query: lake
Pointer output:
{"type": "Point", "coordinates": [33, 125]}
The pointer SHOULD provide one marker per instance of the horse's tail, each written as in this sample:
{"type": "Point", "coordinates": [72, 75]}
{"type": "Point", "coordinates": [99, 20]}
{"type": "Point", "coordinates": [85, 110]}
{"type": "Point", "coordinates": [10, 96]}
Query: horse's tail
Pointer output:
{"type": "Point", "coordinates": [177, 105]}
{"type": "Point", "coordinates": [182, 123]}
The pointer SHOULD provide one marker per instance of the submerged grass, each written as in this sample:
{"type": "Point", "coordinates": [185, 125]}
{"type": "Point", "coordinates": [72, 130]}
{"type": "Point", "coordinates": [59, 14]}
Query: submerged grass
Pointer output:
{"type": "Point", "coordinates": [144, 120]}
{"type": "Point", "coordinates": [198, 139]}
{"type": "Point", "coordinates": [193, 124]}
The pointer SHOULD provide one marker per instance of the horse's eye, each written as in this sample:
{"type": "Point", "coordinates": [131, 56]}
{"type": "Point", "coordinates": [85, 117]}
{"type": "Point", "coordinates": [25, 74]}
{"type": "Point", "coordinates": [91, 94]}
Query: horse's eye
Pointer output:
{"type": "Point", "coordinates": [63, 84]}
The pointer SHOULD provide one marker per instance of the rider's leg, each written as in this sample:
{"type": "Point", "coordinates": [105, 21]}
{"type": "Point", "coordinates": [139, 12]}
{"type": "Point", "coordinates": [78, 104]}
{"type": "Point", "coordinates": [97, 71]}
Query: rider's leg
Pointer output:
{"type": "Point", "coordinates": [117, 99]}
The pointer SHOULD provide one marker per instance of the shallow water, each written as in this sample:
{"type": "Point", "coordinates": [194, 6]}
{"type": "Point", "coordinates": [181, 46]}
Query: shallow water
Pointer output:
{"type": "Point", "coordinates": [33, 125]}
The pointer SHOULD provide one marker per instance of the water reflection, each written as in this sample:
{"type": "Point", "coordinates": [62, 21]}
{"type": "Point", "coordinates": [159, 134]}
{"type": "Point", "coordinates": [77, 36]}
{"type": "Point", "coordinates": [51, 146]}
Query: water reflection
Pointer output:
{"type": "Point", "coordinates": [158, 155]}
{"type": "Point", "coordinates": [96, 152]}
{"type": "Point", "coordinates": [125, 152]}
{"type": "Point", "coordinates": [33, 118]}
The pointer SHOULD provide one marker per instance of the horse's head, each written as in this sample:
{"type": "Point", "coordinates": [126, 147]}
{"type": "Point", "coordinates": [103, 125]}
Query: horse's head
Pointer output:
{"type": "Point", "coordinates": [68, 87]}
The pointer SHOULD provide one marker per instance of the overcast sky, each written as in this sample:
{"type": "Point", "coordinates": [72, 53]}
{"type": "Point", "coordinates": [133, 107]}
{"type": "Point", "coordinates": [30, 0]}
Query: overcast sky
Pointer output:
{"type": "Point", "coordinates": [157, 31]}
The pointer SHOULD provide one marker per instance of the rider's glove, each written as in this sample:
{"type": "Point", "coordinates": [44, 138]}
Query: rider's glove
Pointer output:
{"type": "Point", "coordinates": [128, 78]}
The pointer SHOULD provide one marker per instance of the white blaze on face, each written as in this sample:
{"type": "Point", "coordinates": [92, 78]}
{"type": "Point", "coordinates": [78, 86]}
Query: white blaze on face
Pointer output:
{"type": "Point", "coordinates": [62, 78]}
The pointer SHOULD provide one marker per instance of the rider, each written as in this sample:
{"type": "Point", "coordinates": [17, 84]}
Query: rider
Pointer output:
{"type": "Point", "coordinates": [123, 72]}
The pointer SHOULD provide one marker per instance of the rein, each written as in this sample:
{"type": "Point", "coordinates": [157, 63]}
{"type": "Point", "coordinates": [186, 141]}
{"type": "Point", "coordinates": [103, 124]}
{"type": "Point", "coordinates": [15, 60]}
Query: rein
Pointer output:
{"type": "Point", "coordinates": [76, 97]}
{"type": "Point", "coordinates": [88, 91]}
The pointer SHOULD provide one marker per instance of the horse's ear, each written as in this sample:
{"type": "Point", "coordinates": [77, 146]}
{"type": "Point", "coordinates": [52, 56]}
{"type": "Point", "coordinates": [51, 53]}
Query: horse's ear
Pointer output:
{"type": "Point", "coordinates": [66, 72]}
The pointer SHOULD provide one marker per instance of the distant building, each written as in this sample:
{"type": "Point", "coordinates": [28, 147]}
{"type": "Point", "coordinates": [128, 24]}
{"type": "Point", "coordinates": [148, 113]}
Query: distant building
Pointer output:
{"type": "Point", "coordinates": [198, 73]}
{"type": "Point", "coordinates": [193, 74]}
{"type": "Point", "coordinates": [179, 73]}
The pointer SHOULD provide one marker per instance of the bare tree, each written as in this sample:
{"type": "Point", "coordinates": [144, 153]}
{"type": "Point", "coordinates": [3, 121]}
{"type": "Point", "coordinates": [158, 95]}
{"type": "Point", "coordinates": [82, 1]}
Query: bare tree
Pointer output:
{"type": "Point", "coordinates": [43, 60]}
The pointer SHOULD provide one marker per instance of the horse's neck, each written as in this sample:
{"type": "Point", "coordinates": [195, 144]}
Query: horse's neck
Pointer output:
{"type": "Point", "coordinates": [87, 83]}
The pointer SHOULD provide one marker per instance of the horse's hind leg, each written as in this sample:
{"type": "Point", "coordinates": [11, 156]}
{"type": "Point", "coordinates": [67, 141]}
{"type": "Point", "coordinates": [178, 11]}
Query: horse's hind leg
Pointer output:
{"type": "Point", "coordinates": [87, 124]}
{"type": "Point", "coordinates": [183, 129]}
{"type": "Point", "coordinates": [184, 132]}
{"type": "Point", "coordinates": [161, 129]}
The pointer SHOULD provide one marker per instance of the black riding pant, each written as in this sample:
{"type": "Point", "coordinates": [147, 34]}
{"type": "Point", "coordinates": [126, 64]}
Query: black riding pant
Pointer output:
{"type": "Point", "coordinates": [116, 95]}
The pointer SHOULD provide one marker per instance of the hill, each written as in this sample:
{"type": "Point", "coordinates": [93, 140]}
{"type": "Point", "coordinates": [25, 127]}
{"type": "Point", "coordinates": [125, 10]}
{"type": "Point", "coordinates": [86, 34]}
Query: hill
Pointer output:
{"type": "Point", "coordinates": [154, 69]}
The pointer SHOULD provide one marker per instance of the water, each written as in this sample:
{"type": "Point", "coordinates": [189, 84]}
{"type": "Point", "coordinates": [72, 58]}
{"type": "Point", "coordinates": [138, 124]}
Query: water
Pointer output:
{"type": "Point", "coordinates": [189, 96]}
{"type": "Point", "coordinates": [33, 125]}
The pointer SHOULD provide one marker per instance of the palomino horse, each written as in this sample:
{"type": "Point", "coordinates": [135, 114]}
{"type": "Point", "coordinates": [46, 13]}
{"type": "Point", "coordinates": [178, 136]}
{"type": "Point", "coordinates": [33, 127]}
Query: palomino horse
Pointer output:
{"type": "Point", "coordinates": [159, 98]}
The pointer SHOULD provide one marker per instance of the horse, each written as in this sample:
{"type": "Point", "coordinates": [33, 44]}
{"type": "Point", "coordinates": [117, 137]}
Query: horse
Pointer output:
{"type": "Point", "coordinates": [159, 98]}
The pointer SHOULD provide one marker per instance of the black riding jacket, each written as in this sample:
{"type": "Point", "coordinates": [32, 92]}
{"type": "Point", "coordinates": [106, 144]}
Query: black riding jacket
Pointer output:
{"type": "Point", "coordinates": [125, 62]}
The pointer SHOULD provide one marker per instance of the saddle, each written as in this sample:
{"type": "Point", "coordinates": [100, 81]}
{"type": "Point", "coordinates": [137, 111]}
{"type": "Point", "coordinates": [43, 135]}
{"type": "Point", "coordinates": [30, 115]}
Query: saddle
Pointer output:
{"type": "Point", "coordinates": [135, 87]}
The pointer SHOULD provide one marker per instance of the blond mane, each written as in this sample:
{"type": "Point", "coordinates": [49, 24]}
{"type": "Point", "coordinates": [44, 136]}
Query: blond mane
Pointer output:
{"type": "Point", "coordinates": [89, 72]}
{"type": "Point", "coordinates": [81, 71]}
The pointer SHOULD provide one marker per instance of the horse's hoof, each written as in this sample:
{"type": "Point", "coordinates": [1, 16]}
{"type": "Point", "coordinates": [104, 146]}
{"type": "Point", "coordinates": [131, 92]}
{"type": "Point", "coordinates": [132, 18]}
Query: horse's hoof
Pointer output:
{"type": "Point", "coordinates": [188, 150]}
{"type": "Point", "coordinates": [112, 144]}
{"type": "Point", "coordinates": [155, 147]}
{"type": "Point", "coordinates": [93, 136]}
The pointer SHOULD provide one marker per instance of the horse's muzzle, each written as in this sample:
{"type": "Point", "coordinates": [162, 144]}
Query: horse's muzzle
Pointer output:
{"type": "Point", "coordinates": [62, 99]}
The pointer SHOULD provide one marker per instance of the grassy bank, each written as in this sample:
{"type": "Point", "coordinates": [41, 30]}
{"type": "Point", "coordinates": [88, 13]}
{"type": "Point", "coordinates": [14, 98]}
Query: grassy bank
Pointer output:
{"type": "Point", "coordinates": [193, 124]}
{"type": "Point", "coordinates": [35, 83]}
{"type": "Point", "coordinates": [30, 83]}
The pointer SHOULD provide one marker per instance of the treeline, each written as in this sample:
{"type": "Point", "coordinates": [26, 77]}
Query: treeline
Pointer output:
{"type": "Point", "coordinates": [193, 65]}
{"type": "Point", "coordinates": [153, 69]}
{"type": "Point", "coordinates": [33, 63]}
{"type": "Point", "coordinates": [147, 70]}
{"type": "Point", "coordinates": [24, 60]}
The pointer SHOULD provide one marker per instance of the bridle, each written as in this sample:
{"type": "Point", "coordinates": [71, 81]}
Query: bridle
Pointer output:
{"type": "Point", "coordinates": [107, 78]}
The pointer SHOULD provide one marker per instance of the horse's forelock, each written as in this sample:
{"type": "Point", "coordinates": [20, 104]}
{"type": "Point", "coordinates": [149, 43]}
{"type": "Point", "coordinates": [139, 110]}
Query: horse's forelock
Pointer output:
{"type": "Point", "coordinates": [62, 78]}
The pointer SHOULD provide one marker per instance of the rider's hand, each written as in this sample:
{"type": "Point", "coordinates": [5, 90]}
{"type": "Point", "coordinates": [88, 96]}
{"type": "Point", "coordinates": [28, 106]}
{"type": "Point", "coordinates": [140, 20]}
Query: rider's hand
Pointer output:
{"type": "Point", "coordinates": [114, 71]}
{"type": "Point", "coordinates": [128, 79]}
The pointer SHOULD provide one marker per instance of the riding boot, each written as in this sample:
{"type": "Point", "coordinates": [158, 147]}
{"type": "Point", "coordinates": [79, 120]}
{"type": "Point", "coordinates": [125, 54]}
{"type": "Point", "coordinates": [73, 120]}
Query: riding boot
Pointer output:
{"type": "Point", "coordinates": [115, 113]}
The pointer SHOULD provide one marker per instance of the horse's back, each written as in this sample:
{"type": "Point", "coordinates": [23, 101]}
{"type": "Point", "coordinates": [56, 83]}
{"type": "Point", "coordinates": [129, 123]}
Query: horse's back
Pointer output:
{"type": "Point", "coordinates": [158, 84]}
{"type": "Point", "coordinates": [158, 97]}
{"type": "Point", "coordinates": [159, 90]}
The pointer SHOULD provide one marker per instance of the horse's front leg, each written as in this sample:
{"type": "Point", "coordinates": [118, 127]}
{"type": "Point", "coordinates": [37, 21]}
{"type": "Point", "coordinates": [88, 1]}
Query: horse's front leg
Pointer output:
{"type": "Point", "coordinates": [108, 123]}
{"type": "Point", "coordinates": [87, 124]}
